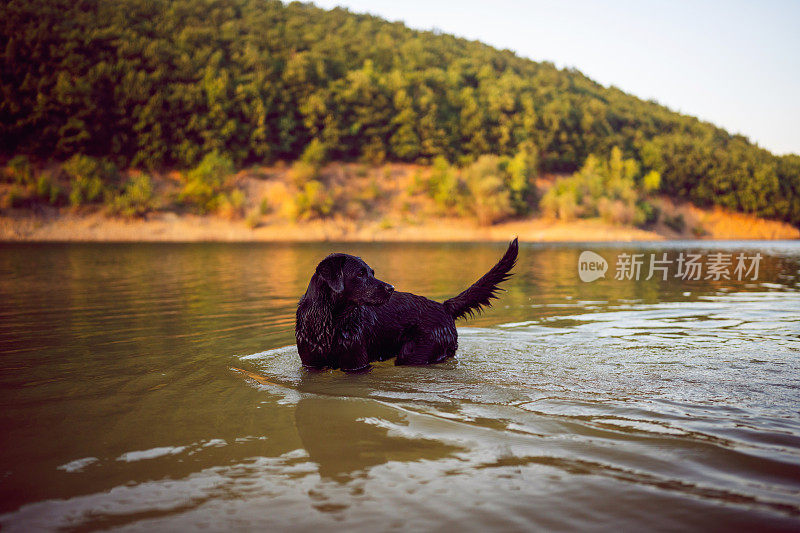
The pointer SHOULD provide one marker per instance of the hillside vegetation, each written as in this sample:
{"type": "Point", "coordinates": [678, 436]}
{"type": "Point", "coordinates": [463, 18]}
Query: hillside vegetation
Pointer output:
{"type": "Point", "coordinates": [155, 84]}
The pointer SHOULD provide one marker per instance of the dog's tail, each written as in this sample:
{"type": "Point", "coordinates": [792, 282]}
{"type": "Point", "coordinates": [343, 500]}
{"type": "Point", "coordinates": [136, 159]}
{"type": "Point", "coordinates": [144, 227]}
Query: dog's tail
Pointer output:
{"type": "Point", "coordinates": [482, 291]}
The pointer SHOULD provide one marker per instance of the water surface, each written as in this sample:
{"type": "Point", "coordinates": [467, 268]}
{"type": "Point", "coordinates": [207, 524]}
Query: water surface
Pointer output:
{"type": "Point", "coordinates": [604, 405]}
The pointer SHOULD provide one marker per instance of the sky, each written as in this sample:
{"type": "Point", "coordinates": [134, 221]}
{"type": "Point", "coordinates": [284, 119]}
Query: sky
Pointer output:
{"type": "Point", "coordinates": [734, 63]}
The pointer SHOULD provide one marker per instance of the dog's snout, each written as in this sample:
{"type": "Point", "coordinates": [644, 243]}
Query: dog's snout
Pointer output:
{"type": "Point", "coordinates": [381, 292]}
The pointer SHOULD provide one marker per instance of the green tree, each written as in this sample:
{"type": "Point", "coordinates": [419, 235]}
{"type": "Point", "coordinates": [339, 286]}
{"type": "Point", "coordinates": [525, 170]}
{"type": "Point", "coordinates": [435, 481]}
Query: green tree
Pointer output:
{"type": "Point", "coordinates": [159, 83]}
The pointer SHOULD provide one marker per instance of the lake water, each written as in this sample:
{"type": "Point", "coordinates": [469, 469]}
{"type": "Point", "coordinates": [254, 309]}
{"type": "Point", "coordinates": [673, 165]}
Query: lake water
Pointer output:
{"type": "Point", "coordinates": [612, 404]}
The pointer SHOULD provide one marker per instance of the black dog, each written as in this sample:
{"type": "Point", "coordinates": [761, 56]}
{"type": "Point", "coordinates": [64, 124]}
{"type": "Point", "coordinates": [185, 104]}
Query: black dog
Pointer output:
{"type": "Point", "coordinates": [347, 318]}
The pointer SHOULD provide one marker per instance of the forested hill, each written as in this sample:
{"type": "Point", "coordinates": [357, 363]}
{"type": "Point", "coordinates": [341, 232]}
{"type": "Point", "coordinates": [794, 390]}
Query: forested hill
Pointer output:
{"type": "Point", "coordinates": [157, 83]}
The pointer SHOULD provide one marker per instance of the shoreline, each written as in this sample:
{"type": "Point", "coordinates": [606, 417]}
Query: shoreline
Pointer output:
{"type": "Point", "coordinates": [361, 204]}
{"type": "Point", "coordinates": [170, 227]}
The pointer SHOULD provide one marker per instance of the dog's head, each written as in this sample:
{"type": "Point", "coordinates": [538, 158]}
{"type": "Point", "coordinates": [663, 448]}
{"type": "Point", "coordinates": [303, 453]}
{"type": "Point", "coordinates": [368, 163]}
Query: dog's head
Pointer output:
{"type": "Point", "coordinates": [350, 279]}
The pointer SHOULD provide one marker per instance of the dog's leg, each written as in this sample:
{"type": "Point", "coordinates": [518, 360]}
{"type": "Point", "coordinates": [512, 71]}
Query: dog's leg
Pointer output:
{"type": "Point", "coordinates": [310, 355]}
{"type": "Point", "coordinates": [419, 351]}
{"type": "Point", "coordinates": [354, 360]}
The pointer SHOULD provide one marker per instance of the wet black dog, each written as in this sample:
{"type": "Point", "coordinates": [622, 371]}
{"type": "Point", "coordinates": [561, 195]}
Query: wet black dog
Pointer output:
{"type": "Point", "coordinates": [347, 318]}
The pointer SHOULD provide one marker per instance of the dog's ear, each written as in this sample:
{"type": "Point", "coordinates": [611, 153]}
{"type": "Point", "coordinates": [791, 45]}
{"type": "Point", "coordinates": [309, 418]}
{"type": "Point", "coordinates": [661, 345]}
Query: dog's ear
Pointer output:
{"type": "Point", "coordinates": [331, 273]}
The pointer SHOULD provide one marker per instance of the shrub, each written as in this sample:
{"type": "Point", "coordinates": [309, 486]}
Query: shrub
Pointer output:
{"type": "Point", "coordinates": [315, 154]}
{"type": "Point", "coordinates": [561, 201]}
{"type": "Point", "coordinates": [237, 198]}
{"type": "Point", "coordinates": [354, 209]}
{"type": "Point", "coordinates": [84, 191]}
{"type": "Point", "coordinates": [136, 199]}
{"type": "Point", "coordinates": [278, 198]}
{"type": "Point", "coordinates": [301, 173]}
{"type": "Point", "coordinates": [19, 170]}
{"type": "Point", "coordinates": [16, 197]}
{"type": "Point", "coordinates": [231, 205]}
{"type": "Point", "coordinates": [47, 189]}
{"type": "Point", "coordinates": [418, 183]}
{"type": "Point", "coordinates": [650, 212]}
{"type": "Point", "coordinates": [88, 177]}
{"type": "Point", "coordinates": [443, 185]}
{"type": "Point", "coordinates": [371, 192]}
{"type": "Point", "coordinates": [213, 169]}
{"type": "Point", "coordinates": [373, 152]}
{"type": "Point", "coordinates": [522, 171]}
{"type": "Point", "coordinates": [490, 199]}
{"type": "Point", "coordinates": [676, 223]}
{"type": "Point", "coordinates": [264, 207]}
{"type": "Point", "coordinates": [253, 218]}
{"type": "Point", "coordinates": [312, 200]}
{"type": "Point", "coordinates": [603, 187]}
{"type": "Point", "coordinates": [205, 183]}
{"type": "Point", "coordinates": [619, 212]}
{"type": "Point", "coordinates": [30, 187]}
{"type": "Point", "coordinates": [651, 181]}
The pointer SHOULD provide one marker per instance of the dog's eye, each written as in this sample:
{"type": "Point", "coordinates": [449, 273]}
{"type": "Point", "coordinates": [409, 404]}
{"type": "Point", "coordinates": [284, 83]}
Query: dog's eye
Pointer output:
{"type": "Point", "coordinates": [362, 272]}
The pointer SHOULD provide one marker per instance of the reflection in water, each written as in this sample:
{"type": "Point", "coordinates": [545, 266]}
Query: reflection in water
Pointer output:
{"type": "Point", "coordinates": [346, 436]}
{"type": "Point", "coordinates": [571, 405]}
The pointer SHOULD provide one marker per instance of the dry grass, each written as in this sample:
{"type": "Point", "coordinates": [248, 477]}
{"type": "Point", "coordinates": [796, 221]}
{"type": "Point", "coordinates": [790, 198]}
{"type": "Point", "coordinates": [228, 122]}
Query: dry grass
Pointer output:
{"type": "Point", "coordinates": [719, 223]}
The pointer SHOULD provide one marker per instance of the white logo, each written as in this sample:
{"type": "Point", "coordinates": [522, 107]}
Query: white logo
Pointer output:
{"type": "Point", "coordinates": [591, 266]}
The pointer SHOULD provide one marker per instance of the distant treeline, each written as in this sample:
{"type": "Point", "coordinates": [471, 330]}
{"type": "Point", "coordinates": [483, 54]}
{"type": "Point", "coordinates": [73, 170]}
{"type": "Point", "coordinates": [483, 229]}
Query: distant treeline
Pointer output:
{"type": "Point", "coordinates": [157, 83]}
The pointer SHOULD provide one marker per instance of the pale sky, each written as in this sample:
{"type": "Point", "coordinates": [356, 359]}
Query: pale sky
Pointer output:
{"type": "Point", "coordinates": [734, 63]}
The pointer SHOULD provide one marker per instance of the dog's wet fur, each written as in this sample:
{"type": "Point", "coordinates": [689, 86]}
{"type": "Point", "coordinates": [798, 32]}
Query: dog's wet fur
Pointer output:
{"type": "Point", "coordinates": [347, 318]}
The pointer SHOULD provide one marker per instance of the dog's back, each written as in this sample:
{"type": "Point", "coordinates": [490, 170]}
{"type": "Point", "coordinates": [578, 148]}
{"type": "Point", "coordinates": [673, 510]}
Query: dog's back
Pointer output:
{"type": "Point", "coordinates": [420, 331]}
{"type": "Point", "coordinates": [414, 329]}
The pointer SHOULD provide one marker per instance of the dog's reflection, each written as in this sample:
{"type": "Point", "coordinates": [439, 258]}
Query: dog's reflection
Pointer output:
{"type": "Point", "coordinates": [347, 436]}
